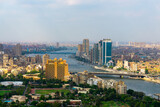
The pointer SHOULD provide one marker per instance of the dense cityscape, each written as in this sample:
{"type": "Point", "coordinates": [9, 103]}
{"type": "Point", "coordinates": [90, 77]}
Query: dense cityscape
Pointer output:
{"type": "Point", "coordinates": [30, 76]}
{"type": "Point", "coordinates": [79, 53]}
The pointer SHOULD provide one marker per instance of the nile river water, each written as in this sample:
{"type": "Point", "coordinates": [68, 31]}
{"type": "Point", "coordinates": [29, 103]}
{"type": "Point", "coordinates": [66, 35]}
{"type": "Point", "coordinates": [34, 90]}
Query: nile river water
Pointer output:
{"type": "Point", "coordinates": [148, 88]}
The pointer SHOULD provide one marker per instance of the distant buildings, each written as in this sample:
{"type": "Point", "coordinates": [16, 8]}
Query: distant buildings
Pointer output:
{"type": "Point", "coordinates": [101, 52]}
{"type": "Point", "coordinates": [57, 69]}
{"type": "Point", "coordinates": [86, 46]}
{"type": "Point", "coordinates": [45, 58]}
{"type": "Point", "coordinates": [38, 59]}
{"type": "Point", "coordinates": [80, 50]}
{"type": "Point", "coordinates": [95, 54]}
{"type": "Point", "coordinates": [1, 47]}
{"type": "Point", "coordinates": [57, 45]}
{"type": "Point", "coordinates": [5, 60]}
{"type": "Point", "coordinates": [17, 50]}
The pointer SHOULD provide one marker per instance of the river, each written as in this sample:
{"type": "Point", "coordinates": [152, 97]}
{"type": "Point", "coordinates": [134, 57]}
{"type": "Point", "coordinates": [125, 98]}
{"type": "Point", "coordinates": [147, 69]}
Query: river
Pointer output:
{"type": "Point", "coordinates": [148, 88]}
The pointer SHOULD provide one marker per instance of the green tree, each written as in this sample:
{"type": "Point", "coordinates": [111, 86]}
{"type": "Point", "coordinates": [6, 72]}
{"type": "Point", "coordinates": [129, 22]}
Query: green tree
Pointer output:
{"type": "Point", "coordinates": [146, 71]}
{"type": "Point", "coordinates": [43, 104]}
{"type": "Point", "coordinates": [130, 92]}
{"type": "Point", "coordinates": [42, 97]}
{"type": "Point", "coordinates": [56, 104]}
{"type": "Point", "coordinates": [34, 103]}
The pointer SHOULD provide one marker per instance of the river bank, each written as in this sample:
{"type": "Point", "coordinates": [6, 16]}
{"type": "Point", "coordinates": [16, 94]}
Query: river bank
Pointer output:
{"type": "Point", "coordinates": [149, 79]}
{"type": "Point", "coordinates": [149, 88]}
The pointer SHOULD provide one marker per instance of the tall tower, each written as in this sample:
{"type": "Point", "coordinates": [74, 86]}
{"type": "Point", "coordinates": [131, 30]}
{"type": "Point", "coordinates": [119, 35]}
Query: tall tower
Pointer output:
{"type": "Point", "coordinates": [1, 47]}
{"type": "Point", "coordinates": [57, 45]}
{"type": "Point", "coordinates": [100, 52]}
{"type": "Point", "coordinates": [38, 59]}
{"type": "Point", "coordinates": [5, 60]}
{"type": "Point", "coordinates": [51, 69]}
{"type": "Point", "coordinates": [80, 48]}
{"type": "Point", "coordinates": [86, 46]}
{"type": "Point", "coordinates": [106, 51]}
{"type": "Point", "coordinates": [18, 50]}
{"type": "Point", "coordinates": [45, 58]}
{"type": "Point", "coordinates": [95, 53]}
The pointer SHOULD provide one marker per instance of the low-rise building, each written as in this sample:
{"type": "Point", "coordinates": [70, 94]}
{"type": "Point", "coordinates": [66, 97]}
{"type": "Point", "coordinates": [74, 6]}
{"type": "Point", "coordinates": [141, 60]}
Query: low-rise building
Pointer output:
{"type": "Point", "coordinates": [19, 98]}
{"type": "Point", "coordinates": [32, 76]}
{"type": "Point", "coordinates": [82, 77]}
{"type": "Point", "coordinates": [82, 90]}
{"type": "Point", "coordinates": [15, 83]}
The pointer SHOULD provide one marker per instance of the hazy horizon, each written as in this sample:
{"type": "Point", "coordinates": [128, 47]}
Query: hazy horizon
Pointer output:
{"type": "Point", "coordinates": [74, 20]}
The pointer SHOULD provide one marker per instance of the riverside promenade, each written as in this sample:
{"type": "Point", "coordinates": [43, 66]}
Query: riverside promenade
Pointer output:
{"type": "Point", "coordinates": [125, 73]}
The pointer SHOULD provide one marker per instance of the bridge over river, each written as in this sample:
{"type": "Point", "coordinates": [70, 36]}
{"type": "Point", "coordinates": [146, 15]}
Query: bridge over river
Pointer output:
{"type": "Point", "coordinates": [121, 74]}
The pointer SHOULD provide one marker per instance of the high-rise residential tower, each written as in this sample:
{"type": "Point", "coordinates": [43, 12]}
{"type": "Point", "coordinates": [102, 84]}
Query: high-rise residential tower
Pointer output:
{"type": "Point", "coordinates": [5, 60]}
{"type": "Point", "coordinates": [100, 52]}
{"type": "Point", "coordinates": [106, 51]}
{"type": "Point", "coordinates": [1, 47]}
{"type": "Point", "coordinates": [86, 46]}
{"type": "Point", "coordinates": [45, 58]}
{"type": "Point", "coordinates": [17, 50]}
{"type": "Point", "coordinates": [80, 50]}
{"type": "Point", "coordinates": [95, 53]}
{"type": "Point", "coordinates": [57, 45]}
{"type": "Point", "coordinates": [57, 69]}
{"type": "Point", "coordinates": [38, 59]}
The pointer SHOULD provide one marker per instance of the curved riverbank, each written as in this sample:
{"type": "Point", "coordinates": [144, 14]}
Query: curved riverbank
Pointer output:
{"type": "Point", "coordinates": [149, 88]}
{"type": "Point", "coordinates": [149, 79]}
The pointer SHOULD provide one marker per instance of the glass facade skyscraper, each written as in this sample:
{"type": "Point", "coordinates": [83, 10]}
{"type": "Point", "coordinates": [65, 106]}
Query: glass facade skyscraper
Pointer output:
{"type": "Point", "coordinates": [106, 51]}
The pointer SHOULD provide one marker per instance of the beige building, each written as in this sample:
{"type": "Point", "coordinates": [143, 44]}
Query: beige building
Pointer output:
{"type": "Point", "coordinates": [133, 66]}
{"type": "Point", "coordinates": [86, 46]}
{"type": "Point", "coordinates": [44, 59]}
{"type": "Point", "coordinates": [121, 88]}
{"type": "Point", "coordinates": [119, 64]}
{"type": "Point", "coordinates": [57, 69]}
{"type": "Point", "coordinates": [80, 50]}
{"type": "Point", "coordinates": [5, 60]}
{"type": "Point", "coordinates": [19, 98]}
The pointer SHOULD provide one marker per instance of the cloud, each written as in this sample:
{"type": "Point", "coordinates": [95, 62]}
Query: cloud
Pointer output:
{"type": "Point", "coordinates": [134, 13]}
{"type": "Point", "coordinates": [72, 2]}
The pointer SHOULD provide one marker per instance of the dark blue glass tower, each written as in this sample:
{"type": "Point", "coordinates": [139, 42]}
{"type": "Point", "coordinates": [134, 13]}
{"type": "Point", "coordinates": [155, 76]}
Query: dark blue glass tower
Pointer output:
{"type": "Point", "coordinates": [106, 51]}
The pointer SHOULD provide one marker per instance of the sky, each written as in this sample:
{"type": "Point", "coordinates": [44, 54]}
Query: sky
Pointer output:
{"type": "Point", "coordinates": [74, 20]}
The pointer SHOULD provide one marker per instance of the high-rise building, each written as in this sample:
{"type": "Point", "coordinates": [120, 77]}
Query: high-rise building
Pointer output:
{"type": "Point", "coordinates": [95, 53]}
{"type": "Point", "coordinates": [11, 62]}
{"type": "Point", "coordinates": [1, 47]}
{"type": "Point", "coordinates": [100, 52]}
{"type": "Point", "coordinates": [106, 51]}
{"type": "Point", "coordinates": [86, 46]}
{"type": "Point", "coordinates": [45, 58]}
{"type": "Point", "coordinates": [57, 69]}
{"type": "Point", "coordinates": [38, 59]}
{"type": "Point", "coordinates": [91, 56]}
{"type": "Point", "coordinates": [57, 44]}
{"type": "Point", "coordinates": [17, 50]}
{"type": "Point", "coordinates": [5, 60]}
{"type": "Point", "coordinates": [80, 50]}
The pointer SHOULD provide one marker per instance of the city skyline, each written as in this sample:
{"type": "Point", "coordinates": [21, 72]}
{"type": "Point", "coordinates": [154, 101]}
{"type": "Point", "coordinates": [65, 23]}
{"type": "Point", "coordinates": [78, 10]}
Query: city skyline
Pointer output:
{"type": "Point", "coordinates": [74, 20]}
